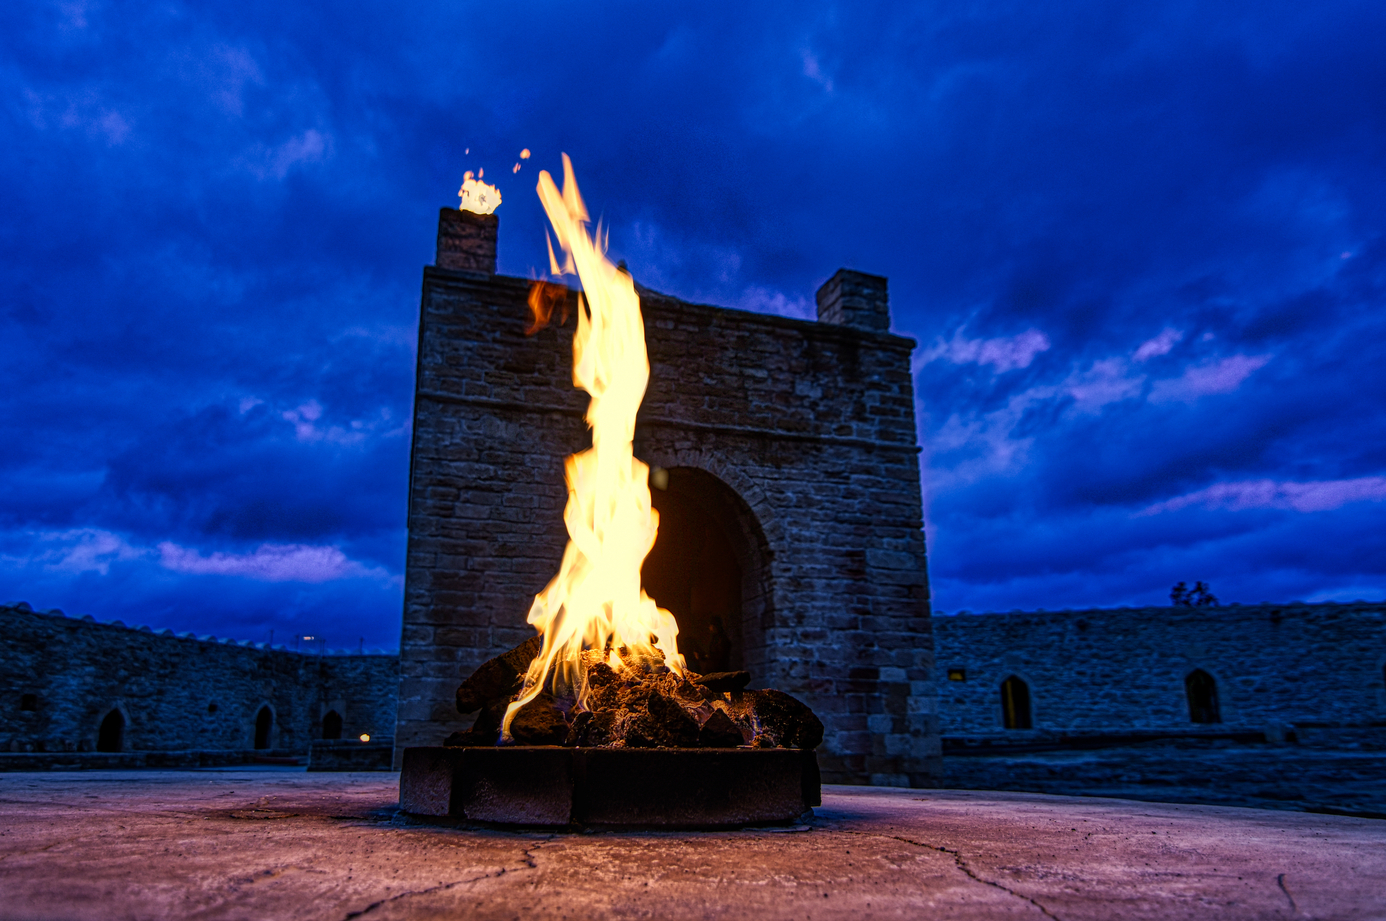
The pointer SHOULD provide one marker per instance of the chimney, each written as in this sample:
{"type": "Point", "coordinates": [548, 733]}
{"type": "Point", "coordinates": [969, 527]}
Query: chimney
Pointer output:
{"type": "Point", "coordinates": [467, 241]}
{"type": "Point", "coordinates": [855, 299]}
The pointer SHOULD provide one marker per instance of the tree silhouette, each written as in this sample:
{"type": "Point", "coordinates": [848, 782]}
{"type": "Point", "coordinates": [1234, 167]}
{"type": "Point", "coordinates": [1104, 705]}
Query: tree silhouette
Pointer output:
{"type": "Point", "coordinates": [1197, 597]}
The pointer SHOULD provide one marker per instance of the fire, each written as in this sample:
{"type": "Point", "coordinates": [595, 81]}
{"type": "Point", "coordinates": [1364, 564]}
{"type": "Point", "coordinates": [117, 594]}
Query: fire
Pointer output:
{"type": "Point", "coordinates": [595, 608]}
{"type": "Point", "coordinates": [476, 195]}
{"type": "Point", "coordinates": [545, 298]}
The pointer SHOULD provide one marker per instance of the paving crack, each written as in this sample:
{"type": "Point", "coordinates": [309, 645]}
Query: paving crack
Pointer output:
{"type": "Point", "coordinates": [961, 862]}
{"type": "Point", "coordinates": [528, 861]}
{"type": "Point", "coordinates": [1280, 881]}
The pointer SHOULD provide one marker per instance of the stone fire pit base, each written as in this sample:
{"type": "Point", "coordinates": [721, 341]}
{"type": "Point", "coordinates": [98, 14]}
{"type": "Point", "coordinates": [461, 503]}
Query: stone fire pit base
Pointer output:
{"type": "Point", "coordinates": [551, 786]}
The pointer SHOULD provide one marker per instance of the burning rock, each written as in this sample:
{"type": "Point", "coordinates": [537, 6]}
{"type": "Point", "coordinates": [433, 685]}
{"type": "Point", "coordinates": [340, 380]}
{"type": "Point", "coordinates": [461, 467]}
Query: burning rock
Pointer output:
{"type": "Point", "coordinates": [647, 706]}
{"type": "Point", "coordinates": [539, 722]}
{"type": "Point", "coordinates": [730, 682]}
{"type": "Point", "coordinates": [497, 680]}
{"type": "Point", "coordinates": [720, 732]}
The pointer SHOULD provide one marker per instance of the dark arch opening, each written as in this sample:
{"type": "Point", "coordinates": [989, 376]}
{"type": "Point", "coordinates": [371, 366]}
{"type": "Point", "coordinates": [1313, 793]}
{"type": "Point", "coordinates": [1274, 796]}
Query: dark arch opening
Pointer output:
{"type": "Point", "coordinates": [264, 722]}
{"type": "Point", "coordinates": [1202, 692]}
{"type": "Point", "coordinates": [1015, 703]}
{"type": "Point", "coordinates": [111, 736]}
{"type": "Point", "coordinates": [332, 725]}
{"type": "Point", "coordinates": [707, 569]}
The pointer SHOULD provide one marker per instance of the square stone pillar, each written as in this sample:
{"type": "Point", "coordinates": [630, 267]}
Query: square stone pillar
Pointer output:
{"type": "Point", "coordinates": [467, 241]}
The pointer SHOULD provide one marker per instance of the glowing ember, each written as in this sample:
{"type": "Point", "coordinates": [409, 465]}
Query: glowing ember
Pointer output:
{"type": "Point", "coordinates": [594, 610]}
{"type": "Point", "coordinates": [476, 195]}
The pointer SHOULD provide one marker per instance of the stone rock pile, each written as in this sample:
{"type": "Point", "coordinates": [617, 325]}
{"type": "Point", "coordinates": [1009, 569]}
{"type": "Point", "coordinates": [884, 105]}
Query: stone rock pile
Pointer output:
{"type": "Point", "coordinates": [645, 705]}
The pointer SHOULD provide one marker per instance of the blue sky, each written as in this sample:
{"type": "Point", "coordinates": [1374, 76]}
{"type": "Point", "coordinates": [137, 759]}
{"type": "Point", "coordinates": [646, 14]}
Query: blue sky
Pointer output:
{"type": "Point", "coordinates": [1142, 248]}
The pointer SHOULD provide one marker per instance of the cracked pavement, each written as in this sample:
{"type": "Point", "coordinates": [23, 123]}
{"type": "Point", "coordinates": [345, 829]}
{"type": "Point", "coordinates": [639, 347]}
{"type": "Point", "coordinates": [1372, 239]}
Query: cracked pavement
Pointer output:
{"type": "Point", "coordinates": [281, 844]}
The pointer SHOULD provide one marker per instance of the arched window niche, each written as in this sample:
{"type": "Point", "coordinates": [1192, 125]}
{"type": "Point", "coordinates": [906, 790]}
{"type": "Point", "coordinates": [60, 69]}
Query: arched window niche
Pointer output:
{"type": "Point", "coordinates": [110, 737]}
{"type": "Point", "coordinates": [332, 725]}
{"type": "Point", "coordinates": [1202, 693]}
{"type": "Point", "coordinates": [264, 726]}
{"type": "Point", "coordinates": [1015, 704]}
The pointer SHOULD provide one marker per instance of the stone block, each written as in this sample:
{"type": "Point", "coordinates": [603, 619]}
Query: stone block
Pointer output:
{"type": "Point", "coordinates": [428, 779]}
{"type": "Point", "coordinates": [691, 788]}
{"type": "Point", "coordinates": [517, 785]}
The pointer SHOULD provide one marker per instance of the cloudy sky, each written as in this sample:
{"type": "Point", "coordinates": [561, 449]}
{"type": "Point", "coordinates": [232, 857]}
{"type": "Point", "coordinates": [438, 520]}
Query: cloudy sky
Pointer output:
{"type": "Point", "coordinates": [1142, 248]}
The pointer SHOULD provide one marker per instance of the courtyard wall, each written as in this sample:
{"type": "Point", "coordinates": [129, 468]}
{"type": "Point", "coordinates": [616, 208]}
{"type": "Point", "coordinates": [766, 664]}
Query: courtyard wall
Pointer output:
{"type": "Point", "coordinates": [60, 677]}
{"type": "Point", "coordinates": [1313, 671]}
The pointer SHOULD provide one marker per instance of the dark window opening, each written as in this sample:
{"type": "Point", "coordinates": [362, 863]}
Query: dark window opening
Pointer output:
{"type": "Point", "coordinates": [1202, 692]}
{"type": "Point", "coordinates": [111, 736]}
{"type": "Point", "coordinates": [264, 722]}
{"type": "Point", "coordinates": [692, 572]}
{"type": "Point", "coordinates": [957, 674]}
{"type": "Point", "coordinates": [1015, 703]}
{"type": "Point", "coordinates": [212, 708]}
{"type": "Point", "coordinates": [28, 702]}
{"type": "Point", "coordinates": [332, 725]}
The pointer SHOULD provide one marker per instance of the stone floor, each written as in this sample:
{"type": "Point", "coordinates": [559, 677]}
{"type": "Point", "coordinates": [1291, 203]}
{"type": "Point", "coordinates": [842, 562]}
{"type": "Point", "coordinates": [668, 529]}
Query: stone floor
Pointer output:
{"type": "Point", "coordinates": [279, 844]}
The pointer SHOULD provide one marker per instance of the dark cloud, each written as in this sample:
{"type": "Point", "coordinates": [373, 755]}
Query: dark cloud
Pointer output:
{"type": "Point", "coordinates": [216, 214]}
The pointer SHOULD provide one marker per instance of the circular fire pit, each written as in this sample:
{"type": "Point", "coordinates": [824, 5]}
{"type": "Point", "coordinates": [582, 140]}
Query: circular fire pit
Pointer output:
{"type": "Point", "coordinates": [551, 786]}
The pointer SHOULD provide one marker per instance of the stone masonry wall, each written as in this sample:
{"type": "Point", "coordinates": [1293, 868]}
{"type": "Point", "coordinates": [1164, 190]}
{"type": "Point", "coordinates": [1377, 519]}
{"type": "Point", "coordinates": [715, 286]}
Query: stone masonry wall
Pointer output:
{"type": "Point", "coordinates": [1312, 670]}
{"type": "Point", "coordinates": [809, 427]}
{"type": "Point", "coordinates": [77, 671]}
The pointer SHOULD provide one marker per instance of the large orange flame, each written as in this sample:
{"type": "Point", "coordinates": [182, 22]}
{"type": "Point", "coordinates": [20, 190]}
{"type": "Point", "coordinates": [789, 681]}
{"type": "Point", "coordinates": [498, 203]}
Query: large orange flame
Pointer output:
{"type": "Point", "coordinates": [595, 609]}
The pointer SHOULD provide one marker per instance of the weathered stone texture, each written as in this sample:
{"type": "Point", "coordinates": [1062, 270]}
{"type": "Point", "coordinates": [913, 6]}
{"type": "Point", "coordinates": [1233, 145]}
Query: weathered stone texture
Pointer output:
{"type": "Point", "coordinates": [175, 693]}
{"type": "Point", "coordinates": [467, 241]}
{"type": "Point", "coordinates": [855, 299]}
{"type": "Point", "coordinates": [1312, 670]}
{"type": "Point", "coordinates": [801, 436]}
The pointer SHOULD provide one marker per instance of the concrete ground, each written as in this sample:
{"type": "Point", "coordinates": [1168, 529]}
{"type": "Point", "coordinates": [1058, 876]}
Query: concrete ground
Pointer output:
{"type": "Point", "coordinates": [279, 844]}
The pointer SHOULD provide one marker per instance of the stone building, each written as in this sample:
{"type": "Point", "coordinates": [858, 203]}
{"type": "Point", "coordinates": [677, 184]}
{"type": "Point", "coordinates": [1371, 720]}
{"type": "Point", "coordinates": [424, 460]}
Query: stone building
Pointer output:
{"type": "Point", "coordinates": [71, 685]}
{"type": "Point", "coordinates": [791, 539]}
{"type": "Point", "coordinates": [1299, 673]}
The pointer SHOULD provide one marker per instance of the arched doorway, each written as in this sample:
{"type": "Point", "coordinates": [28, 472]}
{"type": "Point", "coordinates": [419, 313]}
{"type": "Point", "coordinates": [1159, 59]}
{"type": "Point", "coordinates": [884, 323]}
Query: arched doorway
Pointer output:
{"type": "Point", "coordinates": [1202, 692]}
{"type": "Point", "coordinates": [707, 568]}
{"type": "Point", "coordinates": [332, 725]}
{"type": "Point", "coordinates": [1015, 703]}
{"type": "Point", "coordinates": [111, 736]}
{"type": "Point", "coordinates": [264, 722]}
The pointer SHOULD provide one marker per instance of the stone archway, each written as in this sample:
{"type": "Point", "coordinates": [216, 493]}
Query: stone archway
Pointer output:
{"type": "Point", "coordinates": [708, 567]}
